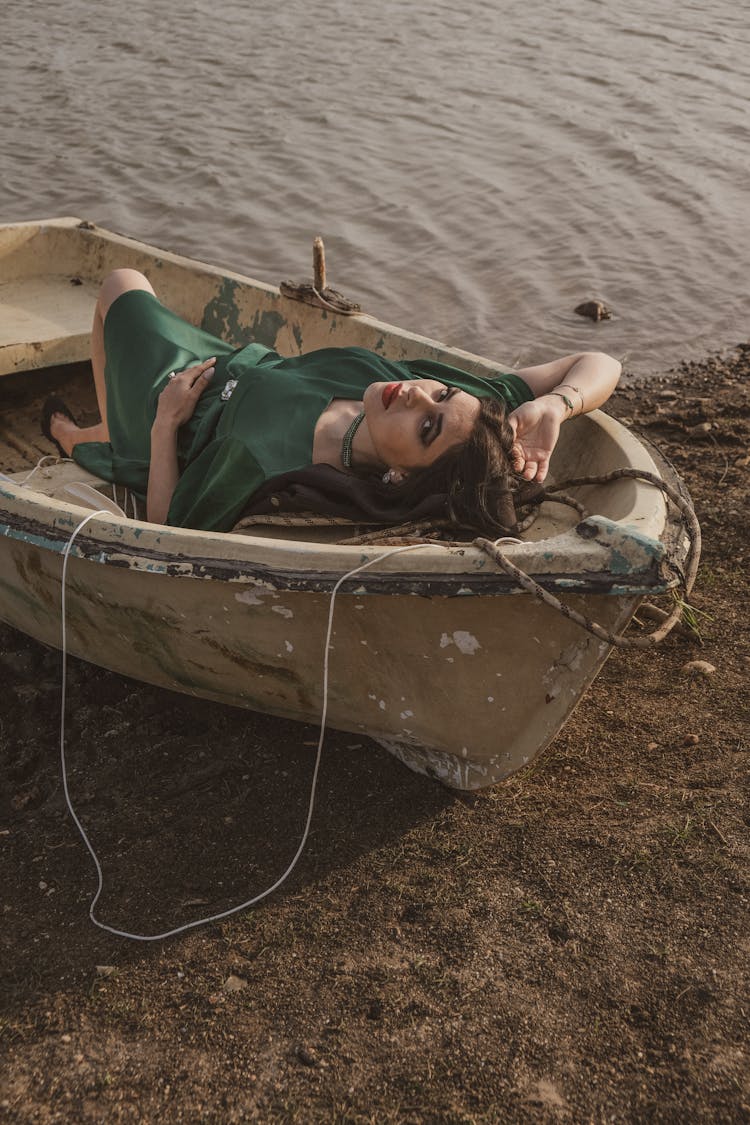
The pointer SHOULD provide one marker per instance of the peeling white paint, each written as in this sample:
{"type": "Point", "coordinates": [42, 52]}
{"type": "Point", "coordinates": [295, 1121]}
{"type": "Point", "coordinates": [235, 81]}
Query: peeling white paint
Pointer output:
{"type": "Point", "coordinates": [381, 704]}
{"type": "Point", "coordinates": [251, 597]}
{"type": "Point", "coordinates": [465, 642]}
{"type": "Point", "coordinates": [282, 609]}
{"type": "Point", "coordinates": [406, 715]}
{"type": "Point", "coordinates": [490, 699]}
{"type": "Point", "coordinates": [289, 646]}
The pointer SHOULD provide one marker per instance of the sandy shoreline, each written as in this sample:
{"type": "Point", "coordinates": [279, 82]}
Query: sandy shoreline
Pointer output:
{"type": "Point", "coordinates": [569, 946]}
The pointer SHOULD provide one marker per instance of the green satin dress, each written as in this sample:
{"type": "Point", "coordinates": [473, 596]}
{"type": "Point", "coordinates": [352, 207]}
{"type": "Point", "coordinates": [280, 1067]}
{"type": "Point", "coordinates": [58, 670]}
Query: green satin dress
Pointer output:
{"type": "Point", "coordinates": [255, 420]}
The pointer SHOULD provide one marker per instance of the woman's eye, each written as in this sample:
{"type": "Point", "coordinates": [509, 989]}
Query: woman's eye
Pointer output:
{"type": "Point", "coordinates": [428, 425]}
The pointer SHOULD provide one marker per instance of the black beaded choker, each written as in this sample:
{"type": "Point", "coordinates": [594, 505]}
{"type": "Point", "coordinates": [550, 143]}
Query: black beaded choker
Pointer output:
{"type": "Point", "coordinates": [346, 445]}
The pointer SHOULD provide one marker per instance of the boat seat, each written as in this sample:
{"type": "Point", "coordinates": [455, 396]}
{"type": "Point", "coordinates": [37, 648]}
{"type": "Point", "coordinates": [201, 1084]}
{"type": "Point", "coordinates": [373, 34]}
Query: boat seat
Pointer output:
{"type": "Point", "coordinates": [45, 321]}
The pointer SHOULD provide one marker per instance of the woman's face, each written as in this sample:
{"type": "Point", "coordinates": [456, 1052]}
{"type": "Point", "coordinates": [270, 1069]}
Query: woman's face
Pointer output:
{"type": "Point", "coordinates": [413, 423]}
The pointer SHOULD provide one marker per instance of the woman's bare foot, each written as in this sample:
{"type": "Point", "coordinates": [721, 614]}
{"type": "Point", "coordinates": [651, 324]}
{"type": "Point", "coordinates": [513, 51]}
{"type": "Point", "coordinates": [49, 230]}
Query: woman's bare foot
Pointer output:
{"type": "Point", "coordinates": [69, 434]}
{"type": "Point", "coordinates": [64, 431]}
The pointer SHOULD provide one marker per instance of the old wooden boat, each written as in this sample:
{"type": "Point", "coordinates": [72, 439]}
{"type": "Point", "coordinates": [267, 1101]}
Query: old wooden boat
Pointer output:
{"type": "Point", "coordinates": [436, 655]}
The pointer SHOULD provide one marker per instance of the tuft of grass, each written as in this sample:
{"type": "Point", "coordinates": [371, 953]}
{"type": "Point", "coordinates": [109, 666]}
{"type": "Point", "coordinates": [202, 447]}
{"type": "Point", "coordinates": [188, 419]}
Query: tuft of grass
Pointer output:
{"type": "Point", "coordinates": [681, 835]}
{"type": "Point", "coordinates": [690, 614]}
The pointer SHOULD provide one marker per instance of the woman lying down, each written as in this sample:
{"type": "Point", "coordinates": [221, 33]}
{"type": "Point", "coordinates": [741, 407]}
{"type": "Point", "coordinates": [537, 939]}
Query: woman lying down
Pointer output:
{"type": "Point", "coordinates": [208, 433]}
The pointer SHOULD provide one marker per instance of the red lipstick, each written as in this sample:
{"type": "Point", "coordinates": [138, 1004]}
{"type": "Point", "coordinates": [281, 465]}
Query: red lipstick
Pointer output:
{"type": "Point", "coordinates": [389, 393]}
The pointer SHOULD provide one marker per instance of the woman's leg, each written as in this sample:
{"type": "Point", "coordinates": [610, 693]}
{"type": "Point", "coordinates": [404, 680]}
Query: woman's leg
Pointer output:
{"type": "Point", "coordinates": [61, 428]}
{"type": "Point", "coordinates": [113, 286]}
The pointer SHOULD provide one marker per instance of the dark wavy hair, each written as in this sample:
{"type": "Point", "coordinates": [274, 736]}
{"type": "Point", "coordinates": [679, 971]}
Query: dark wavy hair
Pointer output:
{"type": "Point", "coordinates": [472, 485]}
{"type": "Point", "coordinates": [476, 478]}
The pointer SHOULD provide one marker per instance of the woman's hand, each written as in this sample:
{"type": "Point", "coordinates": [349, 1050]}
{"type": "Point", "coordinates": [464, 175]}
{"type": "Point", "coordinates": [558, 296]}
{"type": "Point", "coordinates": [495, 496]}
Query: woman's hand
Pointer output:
{"type": "Point", "coordinates": [176, 405]}
{"type": "Point", "coordinates": [536, 426]}
{"type": "Point", "coordinates": [564, 388]}
{"type": "Point", "coordinates": [178, 400]}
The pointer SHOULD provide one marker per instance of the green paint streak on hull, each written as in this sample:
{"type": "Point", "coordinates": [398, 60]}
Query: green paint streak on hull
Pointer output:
{"type": "Point", "coordinates": [266, 327]}
{"type": "Point", "coordinates": [220, 316]}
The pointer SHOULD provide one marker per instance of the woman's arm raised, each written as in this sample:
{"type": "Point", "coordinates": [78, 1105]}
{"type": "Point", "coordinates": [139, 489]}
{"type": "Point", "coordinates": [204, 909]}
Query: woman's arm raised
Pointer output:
{"type": "Point", "coordinates": [593, 375]}
{"type": "Point", "coordinates": [563, 388]}
{"type": "Point", "coordinates": [176, 405]}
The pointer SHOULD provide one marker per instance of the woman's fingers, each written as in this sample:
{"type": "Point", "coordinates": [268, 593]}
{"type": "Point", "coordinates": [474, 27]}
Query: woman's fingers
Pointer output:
{"type": "Point", "coordinates": [517, 457]}
{"type": "Point", "coordinates": [179, 397]}
{"type": "Point", "coordinates": [532, 467]}
{"type": "Point", "coordinates": [190, 375]}
{"type": "Point", "coordinates": [204, 376]}
{"type": "Point", "coordinates": [201, 369]}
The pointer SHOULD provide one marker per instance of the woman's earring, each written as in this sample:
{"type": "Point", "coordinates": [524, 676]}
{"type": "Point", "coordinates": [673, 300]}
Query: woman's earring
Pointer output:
{"type": "Point", "coordinates": [387, 477]}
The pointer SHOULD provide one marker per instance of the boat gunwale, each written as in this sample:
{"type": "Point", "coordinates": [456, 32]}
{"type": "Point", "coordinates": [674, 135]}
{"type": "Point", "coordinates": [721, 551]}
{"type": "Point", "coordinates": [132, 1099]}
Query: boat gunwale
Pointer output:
{"type": "Point", "coordinates": [150, 561]}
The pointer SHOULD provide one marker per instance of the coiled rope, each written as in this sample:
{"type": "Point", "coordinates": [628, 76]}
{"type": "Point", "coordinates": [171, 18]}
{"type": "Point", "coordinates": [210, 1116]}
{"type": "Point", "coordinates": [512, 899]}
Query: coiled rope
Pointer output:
{"type": "Point", "coordinates": [692, 527]}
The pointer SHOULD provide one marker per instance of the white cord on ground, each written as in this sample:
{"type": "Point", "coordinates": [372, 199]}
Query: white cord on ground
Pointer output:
{"type": "Point", "coordinates": [264, 894]}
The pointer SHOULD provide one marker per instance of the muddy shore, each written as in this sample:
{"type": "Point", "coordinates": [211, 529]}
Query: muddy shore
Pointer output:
{"type": "Point", "coordinates": [570, 946]}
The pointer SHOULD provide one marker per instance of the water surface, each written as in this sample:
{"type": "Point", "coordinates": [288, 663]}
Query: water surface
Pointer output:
{"type": "Point", "coordinates": [476, 173]}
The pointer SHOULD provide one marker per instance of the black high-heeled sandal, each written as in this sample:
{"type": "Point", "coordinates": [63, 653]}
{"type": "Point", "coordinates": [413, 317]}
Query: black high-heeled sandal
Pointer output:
{"type": "Point", "coordinates": [54, 405]}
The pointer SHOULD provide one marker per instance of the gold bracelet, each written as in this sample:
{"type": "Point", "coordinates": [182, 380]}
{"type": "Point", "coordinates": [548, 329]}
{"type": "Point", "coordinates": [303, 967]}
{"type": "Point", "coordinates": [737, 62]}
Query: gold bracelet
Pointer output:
{"type": "Point", "coordinates": [566, 400]}
{"type": "Point", "coordinates": [572, 388]}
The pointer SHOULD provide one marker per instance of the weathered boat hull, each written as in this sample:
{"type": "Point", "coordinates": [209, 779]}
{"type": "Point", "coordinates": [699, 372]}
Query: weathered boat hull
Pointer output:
{"type": "Point", "coordinates": [466, 688]}
{"type": "Point", "coordinates": [434, 653]}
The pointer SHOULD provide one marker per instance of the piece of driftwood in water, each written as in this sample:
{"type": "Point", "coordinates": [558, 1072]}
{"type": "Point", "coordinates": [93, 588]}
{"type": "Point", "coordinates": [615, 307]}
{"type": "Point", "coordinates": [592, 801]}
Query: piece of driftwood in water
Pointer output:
{"type": "Point", "coordinates": [316, 292]}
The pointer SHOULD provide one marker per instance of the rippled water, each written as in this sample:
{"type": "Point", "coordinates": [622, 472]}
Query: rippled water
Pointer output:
{"type": "Point", "coordinates": [476, 169]}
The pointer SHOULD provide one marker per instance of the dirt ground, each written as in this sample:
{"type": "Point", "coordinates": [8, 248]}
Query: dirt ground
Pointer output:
{"type": "Point", "coordinates": [572, 946]}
